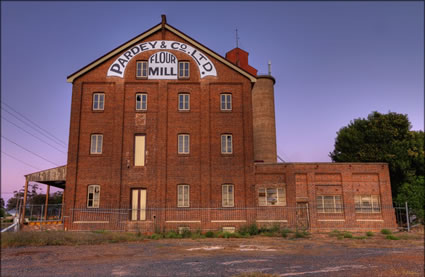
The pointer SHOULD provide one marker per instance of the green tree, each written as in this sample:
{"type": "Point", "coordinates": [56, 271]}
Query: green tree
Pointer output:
{"type": "Point", "coordinates": [383, 138]}
{"type": "Point", "coordinates": [414, 193]}
{"type": "Point", "coordinates": [2, 211]}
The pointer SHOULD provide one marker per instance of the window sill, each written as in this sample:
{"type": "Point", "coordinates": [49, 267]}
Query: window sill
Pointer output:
{"type": "Point", "coordinates": [183, 111]}
{"type": "Point", "coordinates": [141, 111]}
{"type": "Point", "coordinates": [98, 111]}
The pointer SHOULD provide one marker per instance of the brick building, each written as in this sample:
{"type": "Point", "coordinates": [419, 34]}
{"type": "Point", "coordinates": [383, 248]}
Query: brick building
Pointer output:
{"type": "Point", "coordinates": [171, 134]}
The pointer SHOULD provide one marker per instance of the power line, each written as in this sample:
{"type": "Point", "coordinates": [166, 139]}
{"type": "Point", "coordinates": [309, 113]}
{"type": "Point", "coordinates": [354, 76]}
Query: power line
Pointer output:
{"type": "Point", "coordinates": [34, 135]}
{"type": "Point", "coordinates": [19, 161]}
{"type": "Point", "coordinates": [34, 123]}
{"type": "Point", "coordinates": [30, 151]}
{"type": "Point", "coordinates": [32, 127]}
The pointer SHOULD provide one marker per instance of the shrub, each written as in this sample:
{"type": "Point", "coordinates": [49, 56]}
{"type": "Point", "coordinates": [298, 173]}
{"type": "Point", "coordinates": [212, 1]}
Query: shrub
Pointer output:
{"type": "Point", "coordinates": [348, 235]}
{"type": "Point", "coordinates": [209, 234]}
{"type": "Point", "coordinates": [186, 233]}
{"type": "Point", "coordinates": [386, 232]}
{"type": "Point", "coordinates": [172, 235]}
{"type": "Point", "coordinates": [285, 232]}
{"type": "Point", "coordinates": [301, 234]}
{"type": "Point", "coordinates": [370, 234]}
{"type": "Point", "coordinates": [335, 233]}
{"type": "Point", "coordinates": [156, 236]}
{"type": "Point", "coordinates": [250, 229]}
{"type": "Point", "coordinates": [392, 237]}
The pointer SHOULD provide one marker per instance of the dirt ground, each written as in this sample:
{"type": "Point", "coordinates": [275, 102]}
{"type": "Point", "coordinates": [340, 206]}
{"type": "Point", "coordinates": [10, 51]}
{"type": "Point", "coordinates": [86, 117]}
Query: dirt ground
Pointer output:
{"type": "Point", "coordinates": [317, 256]}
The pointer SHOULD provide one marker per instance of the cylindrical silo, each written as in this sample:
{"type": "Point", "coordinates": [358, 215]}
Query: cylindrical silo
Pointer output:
{"type": "Point", "coordinates": [264, 119]}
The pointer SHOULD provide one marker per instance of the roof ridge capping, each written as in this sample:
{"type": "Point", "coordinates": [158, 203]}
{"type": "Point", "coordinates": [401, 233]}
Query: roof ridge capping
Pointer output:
{"type": "Point", "coordinates": [163, 25]}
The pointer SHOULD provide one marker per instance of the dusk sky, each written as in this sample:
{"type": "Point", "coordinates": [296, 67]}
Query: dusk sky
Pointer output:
{"type": "Point", "coordinates": [333, 62]}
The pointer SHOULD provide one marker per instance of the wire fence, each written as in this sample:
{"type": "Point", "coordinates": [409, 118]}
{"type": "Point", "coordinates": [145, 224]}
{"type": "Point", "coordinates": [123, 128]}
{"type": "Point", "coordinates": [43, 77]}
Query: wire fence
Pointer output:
{"type": "Point", "coordinates": [171, 218]}
{"type": "Point", "coordinates": [205, 219]}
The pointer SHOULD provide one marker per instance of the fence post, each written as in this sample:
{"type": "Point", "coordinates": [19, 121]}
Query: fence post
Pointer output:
{"type": "Point", "coordinates": [407, 217]}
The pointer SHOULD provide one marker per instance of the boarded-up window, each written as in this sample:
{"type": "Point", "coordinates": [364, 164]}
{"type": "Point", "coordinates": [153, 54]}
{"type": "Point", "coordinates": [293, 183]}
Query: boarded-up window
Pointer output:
{"type": "Point", "coordinates": [367, 204]}
{"type": "Point", "coordinates": [272, 196]}
{"type": "Point", "coordinates": [183, 196]}
{"type": "Point", "coordinates": [329, 204]}
{"type": "Point", "coordinates": [93, 196]}
{"type": "Point", "coordinates": [139, 150]}
{"type": "Point", "coordinates": [227, 195]}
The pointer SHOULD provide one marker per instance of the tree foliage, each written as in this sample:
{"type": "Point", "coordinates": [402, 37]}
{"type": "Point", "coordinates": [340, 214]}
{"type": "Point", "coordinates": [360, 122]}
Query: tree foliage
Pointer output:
{"type": "Point", "coordinates": [34, 197]}
{"type": "Point", "coordinates": [387, 138]}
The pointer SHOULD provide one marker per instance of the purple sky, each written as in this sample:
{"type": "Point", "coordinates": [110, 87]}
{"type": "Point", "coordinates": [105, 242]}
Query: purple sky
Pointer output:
{"type": "Point", "coordinates": [333, 62]}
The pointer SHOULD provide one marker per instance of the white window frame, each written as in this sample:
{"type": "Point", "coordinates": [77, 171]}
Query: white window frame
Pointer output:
{"type": "Point", "coordinates": [98, 101]}
{"type": "Point", "coordinates": [143, 101]}
{"type": "Point", "coordinates": [226, 144]}
{"type": "Point", "coordinates": [264, 192]}
{"type": "Point", "coordinates": [183, 144]}
{"type": "Point", "coordinates": [184, 101]}
{"type": "Point", "coordinates": [335, 208]}
{"type": "Point", "coordinates": [184, 69]}
{"type": "Point", "coordinates": [226, 101]}
{"type": "Point", "coordinates": [142, 69]}
{"type": "Point", "coordinates": [93, 195]}
{"type": "Point", "coordinates": [361, 206]}
{"type": "Point", "coordinates": [183, 196]}
{"type": "Point", "coordinates": [96, 144]}
{"type": "Point", "coordinates": [227, 195]}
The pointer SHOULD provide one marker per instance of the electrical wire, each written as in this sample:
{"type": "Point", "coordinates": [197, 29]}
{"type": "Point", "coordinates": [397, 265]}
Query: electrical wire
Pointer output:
{"type": "Point", "coordinates": [19, 161]}
{"type": "Point", "coordinates": [59, 140]}
{"type": "Point", "coordinates": [11, 141]}
{"type": "Point", "coordinates": [33, 135]}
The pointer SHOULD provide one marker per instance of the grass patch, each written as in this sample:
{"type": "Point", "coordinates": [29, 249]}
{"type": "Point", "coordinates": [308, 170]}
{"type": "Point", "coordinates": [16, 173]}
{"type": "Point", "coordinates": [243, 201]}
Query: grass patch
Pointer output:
{"type": "Point", "coordinates": [360, 237]}
{"type": "Point", "coordinates": [301, 234]}
{"type": "Point", "coordinates": [386, 232]}
{"type": "Point", "coordinates": [392, 237]}
{"type": "Point", "coordinates": [65, 238]}
{"type": "Point", "coordinates": [251, 230]}
{"type": "Point", "coordinates": [209, 234]}
{"type": "Point", "coordinates": [348, 235]}
{"type": "Point", "coordinates": [285, 232]}
{"type": "Point", "coordinates": [370, 234]}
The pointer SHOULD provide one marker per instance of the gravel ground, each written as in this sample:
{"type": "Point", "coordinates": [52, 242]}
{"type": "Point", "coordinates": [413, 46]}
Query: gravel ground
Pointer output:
{"type": "Point", "coordinates": [320, 256]}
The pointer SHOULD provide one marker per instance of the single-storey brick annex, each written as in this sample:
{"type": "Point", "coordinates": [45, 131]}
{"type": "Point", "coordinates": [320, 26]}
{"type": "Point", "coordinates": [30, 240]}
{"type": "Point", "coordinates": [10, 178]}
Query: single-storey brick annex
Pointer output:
{"type": "Point", "coordinates": [166, 133]}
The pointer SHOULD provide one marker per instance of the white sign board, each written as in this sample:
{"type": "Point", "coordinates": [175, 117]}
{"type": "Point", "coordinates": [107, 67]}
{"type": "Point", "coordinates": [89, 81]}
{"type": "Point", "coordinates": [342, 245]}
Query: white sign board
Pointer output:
{"type": "Point", "coordinates": [205, 66]}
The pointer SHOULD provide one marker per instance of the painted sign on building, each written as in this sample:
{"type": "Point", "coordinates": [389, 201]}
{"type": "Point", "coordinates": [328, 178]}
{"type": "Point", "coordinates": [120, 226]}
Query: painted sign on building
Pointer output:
{"type": "Point", "coordinates": [162, 65]}
{"type": "Point", "coordinates": [205, 65]}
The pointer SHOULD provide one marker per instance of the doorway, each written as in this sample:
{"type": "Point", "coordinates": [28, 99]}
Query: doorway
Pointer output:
{"type": "Point", "coordinates": [303, 221]}
{"type": "Point", "coordinates": [138, 204]}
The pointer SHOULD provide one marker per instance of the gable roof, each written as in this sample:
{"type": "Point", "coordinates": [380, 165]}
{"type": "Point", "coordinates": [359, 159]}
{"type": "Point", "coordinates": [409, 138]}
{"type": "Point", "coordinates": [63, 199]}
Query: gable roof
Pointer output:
{"type": "Point", "coordinates": [85, 69]}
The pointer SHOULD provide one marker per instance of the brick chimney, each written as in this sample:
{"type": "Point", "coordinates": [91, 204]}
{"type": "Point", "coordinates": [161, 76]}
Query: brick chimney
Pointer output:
{"type": "Point", "coordinates": [239, 57]}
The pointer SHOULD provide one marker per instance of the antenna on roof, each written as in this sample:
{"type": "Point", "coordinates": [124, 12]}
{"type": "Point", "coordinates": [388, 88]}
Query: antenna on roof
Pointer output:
{"type": "Point", "coordinates": [237, 39]}
{"type": "Point", "coordinates": [270, 67]}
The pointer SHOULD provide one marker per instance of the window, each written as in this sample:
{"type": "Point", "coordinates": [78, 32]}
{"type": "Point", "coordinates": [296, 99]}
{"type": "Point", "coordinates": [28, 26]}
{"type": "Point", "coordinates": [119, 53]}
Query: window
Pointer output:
{"type": "Point", "coordinates": [183, 141]}
{"type": "Point", "coordinates": [183, 70]}
{"type": "Point", "coordinates": [329, 204]}
{"type": "Point", "coordinates": [183, 196]}
{"type": "Point", "coordinates": [367, 204]}
{"type": "Point", "coordinates": [98, 101]}
{"type": "Point", "coordinates": [93, 196]}
{"type": "Point", "coordinates": [226, 102]}
{"type": "Point", "coordinates": [142, 69]}
{"type": "Point", "coordinates": [226, 144]}
{"type": "Point", "coordinates": [184, 102]}
{"type": "Point", "coordinates": [96, 144]}
{"type": "Point", "coordinates": [139, 150]}
{"type": "Point", "coordinates": [141, 102]}
{"type": "Point", "coordinates": [227, 195]}
{"type": "Point", "coordinates": [272, 197]}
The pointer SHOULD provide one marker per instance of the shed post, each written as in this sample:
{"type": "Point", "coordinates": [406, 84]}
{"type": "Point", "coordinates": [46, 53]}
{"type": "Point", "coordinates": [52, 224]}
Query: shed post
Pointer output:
{"type": "Point", "coordinates": [25, 200]}
{"type": "Point", "coordinates": [47, 202]}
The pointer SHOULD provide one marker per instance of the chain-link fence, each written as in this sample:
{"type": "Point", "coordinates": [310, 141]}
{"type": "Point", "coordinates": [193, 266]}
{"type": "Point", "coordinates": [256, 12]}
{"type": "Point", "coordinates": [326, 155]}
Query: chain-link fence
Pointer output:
{"type": "Point", "coordinates": [39, 213]}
